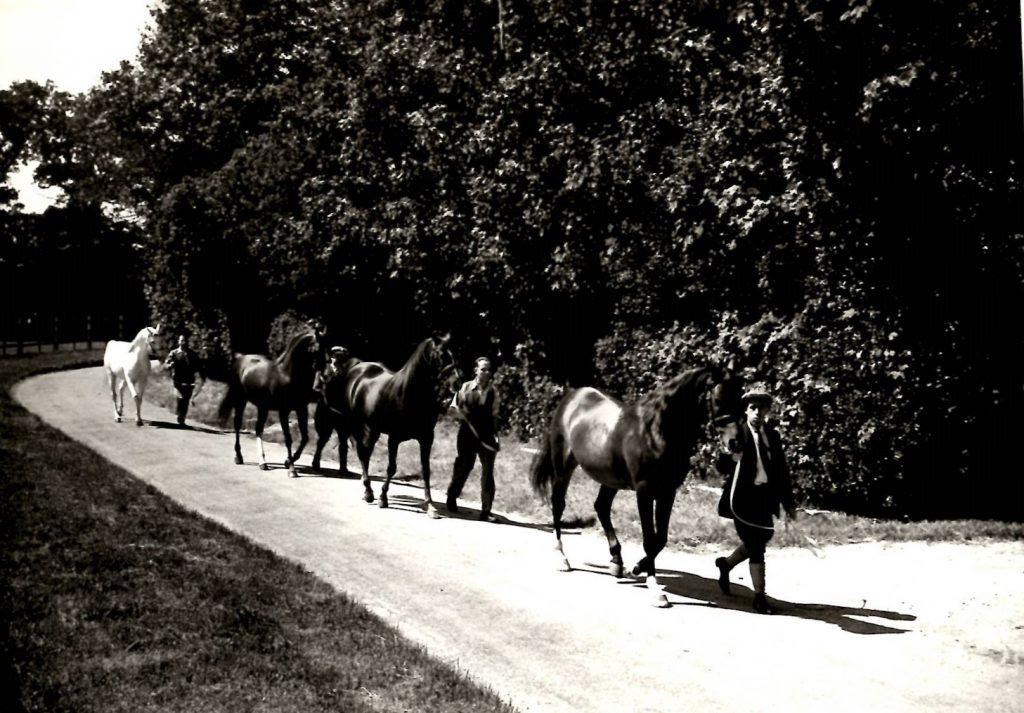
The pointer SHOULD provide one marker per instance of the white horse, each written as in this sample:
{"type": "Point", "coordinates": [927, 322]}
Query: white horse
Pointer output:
{"type": "Point", "coordinates": [127, 364]}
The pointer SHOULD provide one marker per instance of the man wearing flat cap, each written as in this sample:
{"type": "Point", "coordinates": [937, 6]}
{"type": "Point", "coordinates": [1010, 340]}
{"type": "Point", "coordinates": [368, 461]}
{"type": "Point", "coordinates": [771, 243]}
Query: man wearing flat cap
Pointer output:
{"type": "Point", "coordinates": [338, 356]}
{"type": "Point", "coordinates": [757, 483]}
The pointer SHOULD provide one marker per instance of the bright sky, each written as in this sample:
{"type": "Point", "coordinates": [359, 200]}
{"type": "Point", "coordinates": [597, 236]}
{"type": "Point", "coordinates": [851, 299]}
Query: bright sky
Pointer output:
{"type": "Point", "coordinates": [69, 42]}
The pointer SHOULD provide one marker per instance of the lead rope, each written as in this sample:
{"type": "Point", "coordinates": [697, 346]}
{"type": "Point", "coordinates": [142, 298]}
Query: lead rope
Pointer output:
{"type": "Point", "coordinates": [808, 542]}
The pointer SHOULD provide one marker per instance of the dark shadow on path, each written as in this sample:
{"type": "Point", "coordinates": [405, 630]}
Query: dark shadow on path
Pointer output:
{"type": "Point", "coordinates": [707, 594]}
{"type": "Point", "coordinates": [174, 426]}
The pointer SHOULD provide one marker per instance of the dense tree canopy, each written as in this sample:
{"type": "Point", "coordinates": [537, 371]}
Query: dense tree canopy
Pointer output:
{"type": "Point", "coordinates": [603, 192]}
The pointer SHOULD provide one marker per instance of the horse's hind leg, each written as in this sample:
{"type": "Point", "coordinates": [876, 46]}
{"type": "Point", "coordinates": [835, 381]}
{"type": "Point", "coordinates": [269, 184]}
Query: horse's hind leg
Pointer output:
{"type": "Point", "coordinates": [261, 420]}
{"type": "Point", "coordinates": [112, 380]}
{"type": "Point", "coordinates": [603, 507]}
{"type": "Point", "coordinates": [392, 469]}
{"type": "Point", "coordinates": [559, 487]}
{"type": "Point", "coordinates": [364, 448]}
{"type": "Point", "coordinates": [238, 413]}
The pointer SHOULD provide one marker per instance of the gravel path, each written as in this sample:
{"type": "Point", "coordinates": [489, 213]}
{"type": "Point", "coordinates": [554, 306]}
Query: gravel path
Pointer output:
{"type": "Point", "coordinates": [871, 627]}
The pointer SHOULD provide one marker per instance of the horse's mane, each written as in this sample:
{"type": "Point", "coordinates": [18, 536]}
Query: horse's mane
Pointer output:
{"type": "Point", "coordinates": [659, 409]}
{"type": "Point", "coordinates": [139, 339]}
{"type": "Point", "coordinates": [288, 354]}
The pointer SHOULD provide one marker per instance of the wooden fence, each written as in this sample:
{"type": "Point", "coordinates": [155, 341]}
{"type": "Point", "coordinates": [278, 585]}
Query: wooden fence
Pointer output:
{"type": "Point", "coordinates": [50, 334]}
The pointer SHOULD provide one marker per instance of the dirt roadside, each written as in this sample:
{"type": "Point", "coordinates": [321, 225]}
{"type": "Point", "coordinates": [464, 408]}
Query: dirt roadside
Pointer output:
{"type": "Point", "coordinates": [879, 627]}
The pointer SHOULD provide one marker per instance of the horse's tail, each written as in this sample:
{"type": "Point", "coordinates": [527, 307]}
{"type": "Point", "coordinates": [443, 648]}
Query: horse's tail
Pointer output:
{"type": "Point", "coordinates": [542, 471]}
{"type": "Point", "coordinates": [227, 404]}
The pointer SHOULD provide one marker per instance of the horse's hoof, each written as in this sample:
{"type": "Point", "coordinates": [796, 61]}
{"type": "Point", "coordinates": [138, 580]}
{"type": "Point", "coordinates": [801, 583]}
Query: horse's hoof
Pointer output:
{"type": "Point", "coordinates": [368, 497]}
{"type": "Point", "coordinates": [616, 570]}
{"type": "Point", "coordinates": [383, 504]}
{"type": "Point", "coordinates": [287, 462]}
{"type": "Point", "coordinates": [264, 466]}
{"type": "Point", "coordinates": [432, 512]}
{"type": "Point", "coordinates": [315, 465]}
{"type": "Point", "coordinates": [660, 601]}
{"type": "Point", "coordinates": [117, 419]}
{"type": "Point", "coordinates": [138, 423]}
{"type": "Point", "coordinates": [292, 473]}
{"type": "Point", "coordinates": [238, 460]}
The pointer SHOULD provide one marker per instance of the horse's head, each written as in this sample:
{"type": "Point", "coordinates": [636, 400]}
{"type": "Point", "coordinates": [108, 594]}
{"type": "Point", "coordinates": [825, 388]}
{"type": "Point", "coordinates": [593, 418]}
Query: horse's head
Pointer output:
{"type": "Point", "coordinates": [144, 339]}
{"type": "Point", "coordinates": [725, 406]}
{"type": "Point", "coordinates": [449, 378]}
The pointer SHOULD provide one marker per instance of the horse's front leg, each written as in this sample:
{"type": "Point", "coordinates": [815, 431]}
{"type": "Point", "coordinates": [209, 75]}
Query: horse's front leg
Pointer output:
{"type": "Point", "coordinates": [136, 393]}
{"type": "Point", "coordinates": [289, 461]}
{"type": "Point", "coordinates": [425, 445]}
{"type": "Point", "coordinates": [302, 416]}
{"type": "Point", "coordinates": [654, 542]}
{"type": "Point", "coordinates": [261, 420]}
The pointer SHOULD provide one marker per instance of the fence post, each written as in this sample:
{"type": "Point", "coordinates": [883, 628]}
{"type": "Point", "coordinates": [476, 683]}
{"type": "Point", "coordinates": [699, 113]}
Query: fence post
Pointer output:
{"type": "Point", "coordinates": [88, 332]}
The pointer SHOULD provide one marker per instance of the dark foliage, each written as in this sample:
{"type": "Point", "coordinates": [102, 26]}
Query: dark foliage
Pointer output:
{"type": "Point", "coordinates": [613, 189]}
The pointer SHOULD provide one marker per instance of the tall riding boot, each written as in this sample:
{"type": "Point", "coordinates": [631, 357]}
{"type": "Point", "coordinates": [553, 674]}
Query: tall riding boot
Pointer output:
{"type": "Point", "coordinates": [725, 565]}
{"type": "Point", "coordinates": [761, 605]}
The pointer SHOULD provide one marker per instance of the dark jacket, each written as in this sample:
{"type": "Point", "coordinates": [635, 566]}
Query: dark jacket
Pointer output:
{"type": "Point", "coordinates": [755, 504]}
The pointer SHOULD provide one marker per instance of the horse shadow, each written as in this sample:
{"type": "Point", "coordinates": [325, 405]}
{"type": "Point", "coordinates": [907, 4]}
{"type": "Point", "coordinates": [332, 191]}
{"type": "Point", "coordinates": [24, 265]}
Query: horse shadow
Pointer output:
{"type": "Point", "coordinates": [707, 594]}
{"type": "Point", "coordinates": [412, 503]}
{"type": "Point", "coordinates": [308, 471]}
{"type": "Point", "coordinates": [175, 426]}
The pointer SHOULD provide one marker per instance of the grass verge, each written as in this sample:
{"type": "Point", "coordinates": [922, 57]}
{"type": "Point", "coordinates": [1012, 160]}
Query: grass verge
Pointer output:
{"type": "Point", "coordinates": [114, 598]}
{"type": "Point", "coordinates": [694, 523]}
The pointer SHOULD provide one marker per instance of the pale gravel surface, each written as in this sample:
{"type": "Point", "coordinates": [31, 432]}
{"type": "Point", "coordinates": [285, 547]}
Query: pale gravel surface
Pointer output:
{"type": "Point", "coordinates": [870, 627]}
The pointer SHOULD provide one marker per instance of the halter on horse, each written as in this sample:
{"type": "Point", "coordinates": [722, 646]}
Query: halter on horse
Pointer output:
{"type": "Point", "coordinates": [128, 364]}
{"type": "Point", "coordinates": [643, 446]}
{"type": "Point", "coordinates": [368, 400]}
{"type": "Point", "coordinates": [283, 385]}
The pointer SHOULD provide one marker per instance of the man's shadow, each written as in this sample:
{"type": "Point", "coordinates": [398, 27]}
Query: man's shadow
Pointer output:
{"type": "Point", "coordinates": [706, 591]}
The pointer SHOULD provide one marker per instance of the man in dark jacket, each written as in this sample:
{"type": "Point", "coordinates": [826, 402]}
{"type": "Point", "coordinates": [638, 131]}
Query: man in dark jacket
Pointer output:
{"type": "Point", "coordinates": [476, 406]}
{"type": "Point", "coordinates": [184, 367]}
{"type": "Point", "coordinates": [757, 483]}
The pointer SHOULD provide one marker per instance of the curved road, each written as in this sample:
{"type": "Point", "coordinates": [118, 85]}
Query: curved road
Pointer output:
{"type": "Point", "coordinates": [864, 628]}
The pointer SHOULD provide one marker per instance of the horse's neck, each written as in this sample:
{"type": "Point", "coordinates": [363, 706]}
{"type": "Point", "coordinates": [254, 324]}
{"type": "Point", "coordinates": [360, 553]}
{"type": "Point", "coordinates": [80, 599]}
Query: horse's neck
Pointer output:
{"type": "Point", "coordinates": [291, 366]}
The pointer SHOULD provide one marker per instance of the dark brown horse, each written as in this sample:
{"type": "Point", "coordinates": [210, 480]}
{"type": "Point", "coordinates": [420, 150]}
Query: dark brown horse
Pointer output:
{"type": "Point", "coordinates": [368, 400]}
{"type": "Point", "coordinates": [643, 446]}
{"type": "Point", "coordinates": [284, 384]}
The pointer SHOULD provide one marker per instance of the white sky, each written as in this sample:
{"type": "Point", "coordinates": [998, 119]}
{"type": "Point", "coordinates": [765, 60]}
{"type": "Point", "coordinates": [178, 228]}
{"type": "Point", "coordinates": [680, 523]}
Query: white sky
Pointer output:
{"type": "Point", "coordinates": [69, 42]}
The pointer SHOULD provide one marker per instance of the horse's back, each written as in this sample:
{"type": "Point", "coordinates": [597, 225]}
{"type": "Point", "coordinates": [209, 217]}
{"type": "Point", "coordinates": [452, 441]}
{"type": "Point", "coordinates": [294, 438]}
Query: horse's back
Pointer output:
{"type": "Point", "coordinates": [363, 384]}
{"type": "Point", "coordinates": [114, 354]}
{"type": "Point", "coordinates": [587, 420]}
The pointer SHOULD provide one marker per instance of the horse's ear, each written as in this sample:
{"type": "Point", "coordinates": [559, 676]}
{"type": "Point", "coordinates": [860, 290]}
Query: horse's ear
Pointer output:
{"type": "Point", "coordinates": [443, 339]}
{"type": "Point", "coordinates": [157, 330]}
